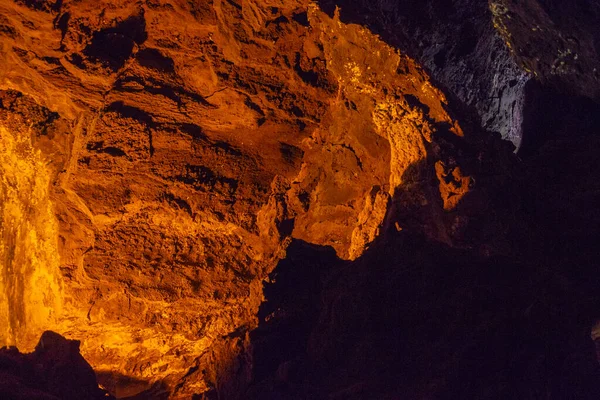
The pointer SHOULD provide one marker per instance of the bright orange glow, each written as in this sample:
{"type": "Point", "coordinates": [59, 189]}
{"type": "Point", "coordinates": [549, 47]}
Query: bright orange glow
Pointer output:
{"type": "Point", "coordinates": [30, 289]}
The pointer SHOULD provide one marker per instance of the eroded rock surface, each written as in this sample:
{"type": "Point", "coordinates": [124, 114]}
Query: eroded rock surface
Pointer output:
{"type": "Point", "coordinates": [187, 144]}
{"type": "Point", "coordinates": [413, 319]}
{"type": "Point", "coordinates": [558, 42]}
{"type": "Point", "coordinates": [458, 44]}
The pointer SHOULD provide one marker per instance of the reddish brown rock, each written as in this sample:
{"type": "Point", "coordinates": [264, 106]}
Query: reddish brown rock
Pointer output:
{"type": "Point", "coordinates": [186, 144]}
{"type": "Point", "coordinates": [189, 144]}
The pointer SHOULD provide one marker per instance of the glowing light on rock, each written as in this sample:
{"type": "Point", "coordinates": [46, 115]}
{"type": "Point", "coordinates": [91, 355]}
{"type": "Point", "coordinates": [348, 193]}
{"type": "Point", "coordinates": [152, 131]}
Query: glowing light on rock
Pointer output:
{"type": "Point", "coordinates": [30, 290]}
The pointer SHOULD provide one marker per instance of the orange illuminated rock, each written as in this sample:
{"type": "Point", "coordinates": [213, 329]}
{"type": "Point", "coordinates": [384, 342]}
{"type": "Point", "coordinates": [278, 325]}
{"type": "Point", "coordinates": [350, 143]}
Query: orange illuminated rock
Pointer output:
{"type": "Point", "coordinates": [453, 185]}
{"type": "Point", "coordinates": [188, 142]}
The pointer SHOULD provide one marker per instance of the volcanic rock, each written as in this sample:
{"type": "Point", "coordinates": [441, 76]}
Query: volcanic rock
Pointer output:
{"type": "Point", "coordinates": [262, 198]}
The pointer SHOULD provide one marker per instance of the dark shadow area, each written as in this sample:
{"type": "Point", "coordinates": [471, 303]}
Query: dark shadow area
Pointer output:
{"type": "Point", "coordinates": [563, 190]}
{"type": "Point", "coordinates": [415, 318]}
{"type": "Point", "coordinates": [55, 370]}
{"type": "Point", "coordinates": [113, 46]}
{"type": "Point", "coordinates": [154, 59]}
{"type": "Point", "coordinates": [550, 116]}
{"type": "Point", "coordinates": [130, 112]}
{"type": "Point", "coordinates": [291, 308]}
{"type": "Point", "coordinates": [128, 388]}
{"type": "Point", "coordinates": [51, 6]}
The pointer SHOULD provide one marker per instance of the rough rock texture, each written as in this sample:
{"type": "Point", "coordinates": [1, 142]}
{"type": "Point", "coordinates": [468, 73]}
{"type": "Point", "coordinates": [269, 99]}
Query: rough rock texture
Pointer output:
{"type": "Point", "coordinates": [412, 319]}
{"type": "Point", "coordinates": [187, 147]}
{"type": "Point", "coordinates": [559, 42]}
{"type": "Point", "coordinates": [458, 44]}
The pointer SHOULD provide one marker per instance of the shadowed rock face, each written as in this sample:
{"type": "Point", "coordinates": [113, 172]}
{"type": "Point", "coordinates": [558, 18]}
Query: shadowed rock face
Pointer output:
{"type": "Point", "coordinates": [55, 370]}
{"type": "Point", "coordinates": [557, 42]}
{"type": "Point", "coordinates": [189, 145]}
{"type": "Point", "coordinates": [411, 319]}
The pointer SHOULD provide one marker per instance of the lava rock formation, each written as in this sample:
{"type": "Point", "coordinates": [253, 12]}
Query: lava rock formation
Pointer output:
{"type": "Point", "coordinates": [227, 199]}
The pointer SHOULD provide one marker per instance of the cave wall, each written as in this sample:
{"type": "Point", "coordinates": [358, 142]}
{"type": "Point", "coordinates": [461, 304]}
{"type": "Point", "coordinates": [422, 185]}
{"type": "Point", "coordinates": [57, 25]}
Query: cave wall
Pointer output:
{"type": "Point", "coordinates": [188, 144]}
{"type": "Point", "coordinates": [416, 319]}
{"type": "Point", "coordinates": [457, 42]}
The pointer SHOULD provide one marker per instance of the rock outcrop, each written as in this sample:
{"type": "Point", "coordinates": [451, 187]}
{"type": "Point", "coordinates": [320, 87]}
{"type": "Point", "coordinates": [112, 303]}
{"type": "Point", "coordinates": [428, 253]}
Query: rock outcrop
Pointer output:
{"type": "Point", "coordinates": [457, 42]}
{"type": "Point", "coordinates": [358, 157]}
{"type": "Point", "coordinates": [55, 370]}
{"type": "Point", "coordinates": [411, 318]}
{"type": "Point", "coordinates": [187, 144]}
